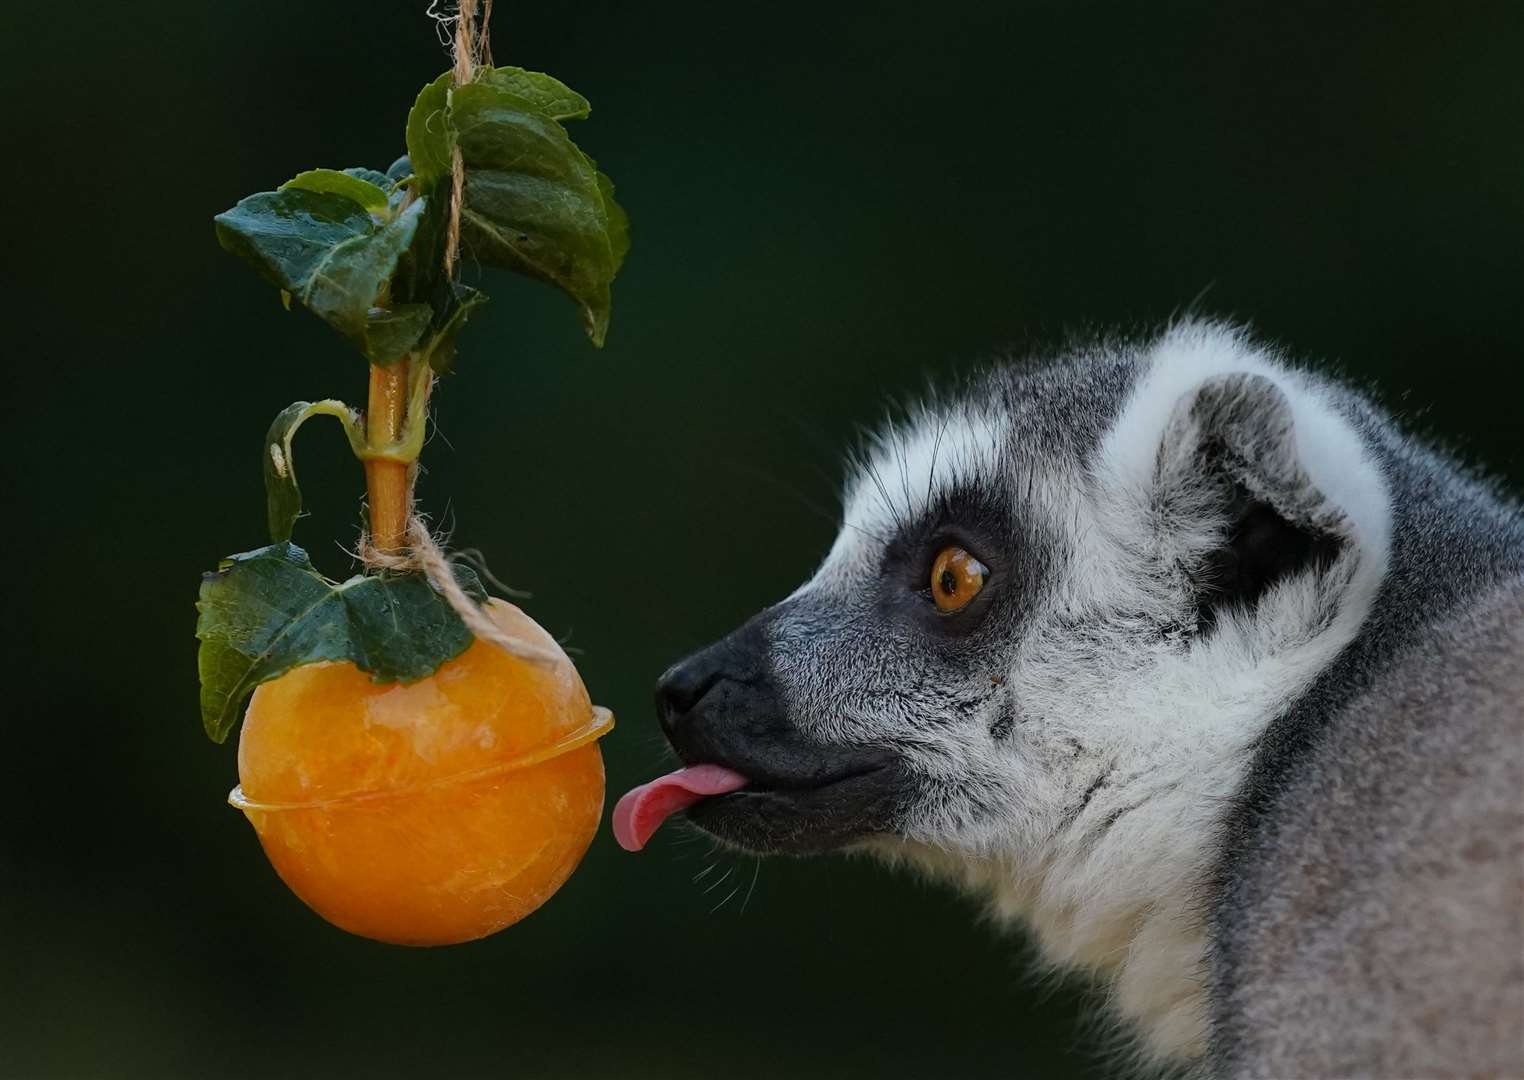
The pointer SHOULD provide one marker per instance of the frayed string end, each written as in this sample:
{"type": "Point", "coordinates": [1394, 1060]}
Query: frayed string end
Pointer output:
{"type": "Point", "coordinates": [427, 557]}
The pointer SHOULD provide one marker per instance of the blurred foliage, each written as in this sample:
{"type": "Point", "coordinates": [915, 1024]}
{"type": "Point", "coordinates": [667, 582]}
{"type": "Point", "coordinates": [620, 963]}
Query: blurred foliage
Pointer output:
{"type": "Point", "coordinates": [831, 207]}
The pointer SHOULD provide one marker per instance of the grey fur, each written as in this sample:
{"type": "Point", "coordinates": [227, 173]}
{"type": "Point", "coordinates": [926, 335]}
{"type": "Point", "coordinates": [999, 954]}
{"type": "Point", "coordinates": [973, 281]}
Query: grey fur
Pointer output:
{"type": "Point", "coordinates": [1369, 916]}
{"type": "Point", "coordinates": [1284, 827]}
{"type": "Point", "coordinates": [1383, 927]}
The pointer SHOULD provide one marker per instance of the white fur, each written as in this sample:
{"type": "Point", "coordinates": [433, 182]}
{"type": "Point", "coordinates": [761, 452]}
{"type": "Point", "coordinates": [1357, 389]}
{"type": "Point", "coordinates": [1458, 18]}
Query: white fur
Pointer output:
{"type": "Point", "coordinates": [1170, 723]}
{"type": "Point", "coordinates": [902, 469]}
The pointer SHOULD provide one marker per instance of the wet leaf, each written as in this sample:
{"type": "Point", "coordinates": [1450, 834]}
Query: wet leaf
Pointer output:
{"type": "Point", "coordinates": [534, 203]}
{"type": "Point", "coordinates": [547, 94]}
{"type": "Point", "coordinates": [390, 333]}
{"type": "Point", "coordinates": [331, 255]}
{"type": "Point", "coordinates": [361, 189]}
{"type": "Point", "coordinates": [371, 176]}
{"type": "Point", "coordinates": [430, 139]}
{"type": "Point", "coordinates": [619, 222]}
{"type": "Point", "coordinates": [440, 351]}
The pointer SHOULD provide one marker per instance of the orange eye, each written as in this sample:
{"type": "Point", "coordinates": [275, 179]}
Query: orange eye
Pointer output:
{"type": "Point", "coordinates": [956, 578]}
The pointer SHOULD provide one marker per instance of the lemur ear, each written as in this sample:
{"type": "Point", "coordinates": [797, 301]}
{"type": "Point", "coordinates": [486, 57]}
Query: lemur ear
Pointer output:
{"type": "Point", "coordinates": [1230, 475]}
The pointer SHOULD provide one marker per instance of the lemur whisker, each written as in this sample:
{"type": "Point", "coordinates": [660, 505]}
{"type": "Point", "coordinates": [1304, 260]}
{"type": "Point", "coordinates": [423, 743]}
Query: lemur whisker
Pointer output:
{"type": "Point", "coordinates": [755, 870]}
{"type": "Point", "coordinates": [904, 456]}
{"type": "Point", "coordinates": [728, 897]}
{"type": "Point", "coordinates": [787, 489]}
{"type": "Point", "coordinates": [936, 448]}
{"type": "Point", "coordinates": [883, 491]}
{"type": "Point", "coordinates": [825, 448]}
{"type": "Point", "coordinates": [717, 882]}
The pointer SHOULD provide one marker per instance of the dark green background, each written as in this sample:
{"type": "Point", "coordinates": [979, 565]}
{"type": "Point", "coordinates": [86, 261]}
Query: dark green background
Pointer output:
{"type": "Point", "coordinates": [828, 209]}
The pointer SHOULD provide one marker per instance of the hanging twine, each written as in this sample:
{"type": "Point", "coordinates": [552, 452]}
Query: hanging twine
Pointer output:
{"type": "Point", "coordinates": [424, 553]}
{"type": "Point", "coordinates": [473, 47]}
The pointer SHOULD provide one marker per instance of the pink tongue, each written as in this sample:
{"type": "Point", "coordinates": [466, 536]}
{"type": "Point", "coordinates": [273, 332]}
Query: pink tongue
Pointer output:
{"type": "Point", "coordinates": [642, 810]}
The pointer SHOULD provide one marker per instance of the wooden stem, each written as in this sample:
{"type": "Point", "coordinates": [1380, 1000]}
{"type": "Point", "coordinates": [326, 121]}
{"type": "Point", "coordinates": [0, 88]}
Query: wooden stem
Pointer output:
{"type": "Point", "coordinates": [389, 484]}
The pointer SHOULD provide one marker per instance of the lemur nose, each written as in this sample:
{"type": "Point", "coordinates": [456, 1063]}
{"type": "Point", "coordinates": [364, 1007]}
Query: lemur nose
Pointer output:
{"type": "Point", "coordinates": [739, 658]}
{"type": "Point", "coordinates": [734, 665]}
{"type": "Point", "coordinates": [682, 685]}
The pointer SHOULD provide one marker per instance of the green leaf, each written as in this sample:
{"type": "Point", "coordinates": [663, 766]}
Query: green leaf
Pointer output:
{"type": "Point", "coordinates": [420, 277]}
{"type": "Point", "coordinates": [440, 351]}
{"type": "Point", "coordinates": [265, 612]}
{"type": "Point", "coordinates": [287, 235]}
{"type": "Point", "coordinates": [619, 222]}
{"type": "Point", "coordinates": [534, 203]}
{"type": "Point", "coordinates": [372, 176]}
{"type": "Point", "coordinates": [548, 95]}
{"type": "Point", "coordinates": [283, 499]}
{"type": "Point", "coordinates": [331, 255]}
{"type": "Point", "coordinates": [360, 189]}
{"type": "Point", "coordinates": [399, 170]}
{"type": "Point", "coordinates": [430, 137]}
{"type": "Point", "coordinates": [390, 334]}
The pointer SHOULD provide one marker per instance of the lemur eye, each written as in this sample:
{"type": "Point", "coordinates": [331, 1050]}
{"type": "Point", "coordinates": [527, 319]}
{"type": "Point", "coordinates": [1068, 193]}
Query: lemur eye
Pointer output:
{"type": "Point", "coordinates": [956, 578]}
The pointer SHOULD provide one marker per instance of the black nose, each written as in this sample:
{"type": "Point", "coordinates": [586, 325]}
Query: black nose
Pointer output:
{"type": "Point", "coordinates": [733, 662]}
{"type": "Point", "coordinates": [682, 685]}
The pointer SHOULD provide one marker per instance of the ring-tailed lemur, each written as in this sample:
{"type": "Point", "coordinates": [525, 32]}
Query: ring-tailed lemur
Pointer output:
{"type": "Point", "coordinates": [1192, 662]}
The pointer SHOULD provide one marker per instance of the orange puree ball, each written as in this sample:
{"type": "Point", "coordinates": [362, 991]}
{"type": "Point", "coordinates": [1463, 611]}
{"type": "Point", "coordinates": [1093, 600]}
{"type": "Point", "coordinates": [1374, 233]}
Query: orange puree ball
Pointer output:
{"type": "Point", "coordinates": [431, 813]}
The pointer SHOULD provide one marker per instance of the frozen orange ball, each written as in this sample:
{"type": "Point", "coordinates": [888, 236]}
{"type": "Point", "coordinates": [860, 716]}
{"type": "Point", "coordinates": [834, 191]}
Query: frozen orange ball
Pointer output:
{"type": "Point", "coordinates": [430, 813]}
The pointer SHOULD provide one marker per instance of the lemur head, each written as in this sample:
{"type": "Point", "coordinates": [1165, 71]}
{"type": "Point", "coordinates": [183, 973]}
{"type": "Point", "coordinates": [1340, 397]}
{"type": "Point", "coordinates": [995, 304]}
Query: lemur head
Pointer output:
{"type": "Point", "coordinates": [1055, 593]}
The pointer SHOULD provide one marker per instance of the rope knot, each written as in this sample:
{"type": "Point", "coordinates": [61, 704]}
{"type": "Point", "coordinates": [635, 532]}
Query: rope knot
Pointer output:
{"type": "Point", "coordinates": [425, 555]}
